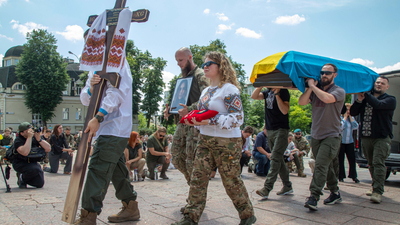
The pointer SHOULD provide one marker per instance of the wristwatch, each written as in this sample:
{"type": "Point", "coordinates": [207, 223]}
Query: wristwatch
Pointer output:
{"type": "Point", "coordinates": [278, 94]}
{"type": "Point", "coordinates": [99, 118]}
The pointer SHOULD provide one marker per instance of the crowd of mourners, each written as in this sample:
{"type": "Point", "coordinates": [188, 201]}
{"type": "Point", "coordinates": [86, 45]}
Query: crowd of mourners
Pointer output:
{"type": "Point", "coordinates": [199, 148]}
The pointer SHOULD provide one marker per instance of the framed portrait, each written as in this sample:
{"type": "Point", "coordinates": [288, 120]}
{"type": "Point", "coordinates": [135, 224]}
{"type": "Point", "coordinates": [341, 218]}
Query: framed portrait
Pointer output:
{"type": "Point", "coordinates": [181, 94]}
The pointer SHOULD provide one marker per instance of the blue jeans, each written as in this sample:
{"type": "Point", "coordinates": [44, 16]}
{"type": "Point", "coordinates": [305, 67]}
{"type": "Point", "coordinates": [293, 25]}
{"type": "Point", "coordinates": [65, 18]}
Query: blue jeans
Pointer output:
{"type": "Point", "coordinates": [263, 164]}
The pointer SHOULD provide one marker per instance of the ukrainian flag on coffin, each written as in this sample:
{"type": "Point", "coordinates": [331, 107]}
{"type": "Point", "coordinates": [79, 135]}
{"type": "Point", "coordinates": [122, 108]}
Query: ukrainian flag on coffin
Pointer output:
{"type": "Point", "coordinates": [290, 69]}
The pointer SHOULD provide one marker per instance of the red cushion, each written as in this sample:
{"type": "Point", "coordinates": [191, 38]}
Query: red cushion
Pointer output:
{"type": "Point", "coordinates": [204, 115]}
{"type": "Point", "coordinates": [189, 116]}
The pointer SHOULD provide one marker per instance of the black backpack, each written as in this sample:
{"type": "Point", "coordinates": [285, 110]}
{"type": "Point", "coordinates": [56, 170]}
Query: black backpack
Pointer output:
{"type": "Point", "coordinates": [10, 154]}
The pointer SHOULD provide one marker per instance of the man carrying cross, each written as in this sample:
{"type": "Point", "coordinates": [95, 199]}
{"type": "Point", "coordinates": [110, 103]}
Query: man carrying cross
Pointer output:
{"type": "Point", "coordinates": [111, 126]}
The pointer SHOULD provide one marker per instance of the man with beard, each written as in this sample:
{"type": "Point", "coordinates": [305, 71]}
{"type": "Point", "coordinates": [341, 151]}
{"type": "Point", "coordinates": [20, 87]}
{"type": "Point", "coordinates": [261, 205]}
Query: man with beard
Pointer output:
{"type": "Point", "coordinates": [301, 143]}
{"type": "Point", "coordinates": [180, 99]}
{"type": "Point", "coordinates": [327, 104]}
{"type": "Point", "coordinates": [186, 137]}
{"type": "Point", "coordinates": [376, 110]}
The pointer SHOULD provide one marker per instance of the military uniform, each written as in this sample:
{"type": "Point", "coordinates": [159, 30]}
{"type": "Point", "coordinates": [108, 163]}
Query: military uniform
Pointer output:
{"type": "Point", "coordinates": [185, 138]}
{"type": "Point", "coordinates": [70, 140]}
{"type": "Point", "coordinates": [219, 147]}
{"type": "Point", "coordinates": [303, 145]}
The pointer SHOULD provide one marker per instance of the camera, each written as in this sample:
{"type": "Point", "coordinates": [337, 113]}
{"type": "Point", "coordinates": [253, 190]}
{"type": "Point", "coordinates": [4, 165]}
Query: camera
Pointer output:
{"type": "Point", "coordinates": [38, 130]}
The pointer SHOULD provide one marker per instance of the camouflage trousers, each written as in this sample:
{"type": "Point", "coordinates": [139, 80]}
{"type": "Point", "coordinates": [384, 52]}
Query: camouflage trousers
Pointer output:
{"type": "Point", "coordinates": [223, 153]}
{"type": "Point", "coordinates": [183, 149]}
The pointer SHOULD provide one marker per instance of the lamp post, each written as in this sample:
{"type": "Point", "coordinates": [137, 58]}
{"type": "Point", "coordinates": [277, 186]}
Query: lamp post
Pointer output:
{"type": "Point", "coordinates": [74, 55]}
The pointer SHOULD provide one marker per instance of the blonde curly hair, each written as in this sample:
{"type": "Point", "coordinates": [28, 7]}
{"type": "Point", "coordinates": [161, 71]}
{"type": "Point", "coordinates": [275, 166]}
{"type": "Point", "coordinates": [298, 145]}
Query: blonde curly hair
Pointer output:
{"type": "Point", "coordinates": [225, 68]}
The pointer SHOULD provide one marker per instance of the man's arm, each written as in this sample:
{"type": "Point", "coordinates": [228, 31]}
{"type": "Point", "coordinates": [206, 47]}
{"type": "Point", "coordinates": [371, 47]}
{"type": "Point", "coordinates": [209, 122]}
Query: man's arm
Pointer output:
{"type": "Point", "coordinates": [26, 148]}
{"type": "Point", "coordinates": [257, 95]}
{"type": "Point", "coordinates": [355, 109]}
{"type": "Point", "coordinates": [305, 97]}
{"type": "Point", "coordinates": [388, 103]}
{"type": "Point", "coordinates": [43, 143]}
{"type": "Point", "coordinates": [262, 151]}
{"type": "Point", "coordinates": [282, 105]}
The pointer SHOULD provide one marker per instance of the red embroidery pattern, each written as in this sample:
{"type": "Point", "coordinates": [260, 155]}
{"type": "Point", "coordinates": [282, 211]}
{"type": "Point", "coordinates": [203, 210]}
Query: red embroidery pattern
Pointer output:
{"type": "Point", "coordinates": [94, 49]}
{"type": "Point", "coordinates": [116, 51]}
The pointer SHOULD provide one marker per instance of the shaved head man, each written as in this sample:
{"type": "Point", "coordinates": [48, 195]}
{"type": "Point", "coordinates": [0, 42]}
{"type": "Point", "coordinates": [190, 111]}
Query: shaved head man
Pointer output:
{"type": "Point", "coordinates": [186, 137]}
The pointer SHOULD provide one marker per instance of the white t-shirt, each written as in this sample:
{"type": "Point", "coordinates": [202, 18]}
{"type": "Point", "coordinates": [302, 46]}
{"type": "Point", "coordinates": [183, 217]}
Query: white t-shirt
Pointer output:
{"type": "Point", "coordinates": [226, 100]}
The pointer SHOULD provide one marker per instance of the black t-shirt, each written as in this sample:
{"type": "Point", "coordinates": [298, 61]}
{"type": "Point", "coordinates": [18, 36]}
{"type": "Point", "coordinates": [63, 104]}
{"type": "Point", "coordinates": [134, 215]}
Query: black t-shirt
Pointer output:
{"type": "Point", "coordinates": [133, 152]}
{"type": "Point", "coordinates": [20, 141]}
{"type": "Point", "coordinates": [274, 118]}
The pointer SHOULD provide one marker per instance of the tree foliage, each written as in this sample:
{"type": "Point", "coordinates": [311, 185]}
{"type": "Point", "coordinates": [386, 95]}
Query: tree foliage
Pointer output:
{"type": "Point", "coordinates": [43, 72]}
{"type": "Point", "coordinates": [139, 62]}
{"type": "Point", "coordinates": [256, 114]}
{"type": "Point", "coordinates": [153, 87]}
{"type": "Point", "coordinates": [299, 116]}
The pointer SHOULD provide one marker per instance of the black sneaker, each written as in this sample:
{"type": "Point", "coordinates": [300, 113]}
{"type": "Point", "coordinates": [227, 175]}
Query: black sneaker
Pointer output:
{"type": "Point", "coordinates": [333, 198]}
{"type": "Point", "coordinates": [20, 182]}
{"type": "Point", "coordinates": [311, 203]}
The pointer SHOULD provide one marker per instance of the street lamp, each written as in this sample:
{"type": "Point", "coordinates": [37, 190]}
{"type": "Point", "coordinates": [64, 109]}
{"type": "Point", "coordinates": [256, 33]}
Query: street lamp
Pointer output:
{"type": "Point", "coordinates": [74, 55]}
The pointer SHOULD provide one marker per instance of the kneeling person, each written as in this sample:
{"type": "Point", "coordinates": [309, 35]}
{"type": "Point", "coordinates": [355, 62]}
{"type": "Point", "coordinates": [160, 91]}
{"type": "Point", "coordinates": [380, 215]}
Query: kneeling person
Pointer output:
{"type": "Point", "coordinates": [28, 172]}
{"type": "Point", "coordinates": [158, 153]}
{"type": "Point", "coordinates": [133, 156]}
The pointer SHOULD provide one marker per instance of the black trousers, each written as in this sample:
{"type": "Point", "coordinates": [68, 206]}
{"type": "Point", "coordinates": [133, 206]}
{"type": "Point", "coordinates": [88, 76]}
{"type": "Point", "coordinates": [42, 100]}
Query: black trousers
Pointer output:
{"type": "Point", "coordinates": [32, 173]}
{"type": "Point", "coordinates": [54, 160]}
{"type": "Point", "coordinates": [243, 160]}
{"type": "Point", "coordinates": [347, 149]}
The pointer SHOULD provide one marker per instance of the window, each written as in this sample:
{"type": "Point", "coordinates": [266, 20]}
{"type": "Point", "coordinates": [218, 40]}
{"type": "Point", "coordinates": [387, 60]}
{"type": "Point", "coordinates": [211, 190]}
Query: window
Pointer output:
{"type": "Point", "coordinates": [16, 61]}
{"type": "Point", "coordinates": [78, 115]}
{"type": "Point", "coordinates": [19, 86]}
{"type": "Point", "coordinates": [66, 90]}
{"type": "Point", "coordinates": [36, 120]}
{"type": "Point", "coordinates": [65, 113]}
{"type": "Point", "coordinates": [8, 62]}
{"type": "Point", "coordinates": [78, 90]}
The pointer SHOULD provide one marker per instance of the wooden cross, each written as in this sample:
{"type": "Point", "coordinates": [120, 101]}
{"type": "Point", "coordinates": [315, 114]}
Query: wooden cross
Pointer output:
{"type": "Point", "coordinates": [82, 156]}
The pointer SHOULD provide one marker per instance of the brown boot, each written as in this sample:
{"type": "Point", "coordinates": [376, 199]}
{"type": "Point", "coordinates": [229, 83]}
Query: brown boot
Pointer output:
{"type": "Point", "coordinates": [301, 174]}
{"type": "Point", "coordinates": [86, 218]}
{"type": "Point", "coordinates": [129, 212]}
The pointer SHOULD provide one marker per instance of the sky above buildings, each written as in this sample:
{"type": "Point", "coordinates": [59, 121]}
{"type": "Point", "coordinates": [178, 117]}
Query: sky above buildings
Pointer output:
{"type": "Point", "coordinates": [365, 32]}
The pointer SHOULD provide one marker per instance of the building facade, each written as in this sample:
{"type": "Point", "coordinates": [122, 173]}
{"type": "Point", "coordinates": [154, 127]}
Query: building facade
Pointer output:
{"type": "Point", "coordinates": [70, 112]}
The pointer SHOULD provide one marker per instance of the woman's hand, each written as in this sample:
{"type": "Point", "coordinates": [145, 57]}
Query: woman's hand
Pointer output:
{"type": "Point", "coordinates": [187, 123]}
{"type": "Point", "coordinates": [203, 122]}
{"type": "Point", "coordinates": [128, 163]}
{"type": "Point", "coordinates": [93, 81]}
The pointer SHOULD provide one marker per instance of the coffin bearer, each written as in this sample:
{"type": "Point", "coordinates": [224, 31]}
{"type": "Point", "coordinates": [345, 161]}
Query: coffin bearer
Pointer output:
{"type": "Point", "coordinates": [277, 125]}
{"type": "Point", "coordinates": [302, 145]}
{"type": "Point", "coordinates": [376, 110]}
{"type": "Point", "coordinates": [327, 104]}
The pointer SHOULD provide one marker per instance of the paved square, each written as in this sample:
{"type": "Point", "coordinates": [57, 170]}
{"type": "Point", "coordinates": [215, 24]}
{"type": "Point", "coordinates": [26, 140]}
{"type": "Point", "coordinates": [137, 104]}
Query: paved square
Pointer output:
{"type": "Point", "coordinates": [161, 200]}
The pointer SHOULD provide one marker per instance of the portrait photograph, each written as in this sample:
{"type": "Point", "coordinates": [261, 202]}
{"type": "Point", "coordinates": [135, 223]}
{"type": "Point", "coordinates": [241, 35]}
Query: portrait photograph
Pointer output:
{"type": "Point", "coordinates": [181, 94]}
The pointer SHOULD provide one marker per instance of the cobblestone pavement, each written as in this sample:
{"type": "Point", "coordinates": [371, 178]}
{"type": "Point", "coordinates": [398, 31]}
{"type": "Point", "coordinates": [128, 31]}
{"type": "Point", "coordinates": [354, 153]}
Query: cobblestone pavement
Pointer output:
{"type": "Point", "coordinates": [161, 200]}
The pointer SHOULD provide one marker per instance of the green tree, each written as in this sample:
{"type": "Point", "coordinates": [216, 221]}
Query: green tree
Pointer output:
{"type": "Point", "coordinates": [139, 62]}
{"type": "Point", "coordinates": [256, 115]}
{"type": "Point", "coordinates": [299, 116]}
{"type": "Point", "coordinates": [142, 121]}
{"type": "Point", "coordinates": [43, 71]}
{"type": "Point", "coordinates": [153, 87]}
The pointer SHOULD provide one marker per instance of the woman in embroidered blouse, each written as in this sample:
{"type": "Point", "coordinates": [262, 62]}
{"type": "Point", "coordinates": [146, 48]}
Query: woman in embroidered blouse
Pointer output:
{"type": "Point", "coordinates": [220, 141]}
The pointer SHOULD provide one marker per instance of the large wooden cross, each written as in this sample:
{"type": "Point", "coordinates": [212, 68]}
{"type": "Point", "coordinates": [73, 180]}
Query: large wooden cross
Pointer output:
{"type": "Point", "coordinates": [82, 156]}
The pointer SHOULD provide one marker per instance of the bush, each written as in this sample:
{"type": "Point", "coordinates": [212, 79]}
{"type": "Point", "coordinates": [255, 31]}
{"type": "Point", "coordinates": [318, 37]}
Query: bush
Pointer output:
{"type": "Point", "coordinates": [148, 131]}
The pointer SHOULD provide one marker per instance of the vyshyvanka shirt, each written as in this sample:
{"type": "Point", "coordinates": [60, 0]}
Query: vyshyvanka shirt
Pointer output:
{"type": "Point", "coordinates": [116, 105]}
{"type": "Point", "coordinates": [226, 100]}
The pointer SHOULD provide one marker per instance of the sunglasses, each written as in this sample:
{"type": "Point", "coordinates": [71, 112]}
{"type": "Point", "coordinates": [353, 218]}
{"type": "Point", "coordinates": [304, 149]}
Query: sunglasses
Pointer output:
{"type": "Point", "coordinates": [208, 64]}
{"type": "Point", "coordinates": [161, 136]}
{"type": "Point", "coordinates": [326, 73]}
{"type": "Point", "coordinates": [297, 133]}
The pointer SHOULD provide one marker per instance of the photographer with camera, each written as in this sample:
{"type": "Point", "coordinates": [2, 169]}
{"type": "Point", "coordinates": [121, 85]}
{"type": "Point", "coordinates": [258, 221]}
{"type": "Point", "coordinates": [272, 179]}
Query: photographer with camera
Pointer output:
{"type": "Point", "coordinates": [59, 150]}
{"type": "Point", "coordinates": [28, 171]}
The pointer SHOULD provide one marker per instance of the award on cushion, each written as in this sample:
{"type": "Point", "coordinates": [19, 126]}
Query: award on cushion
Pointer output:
{"type": "Point", "coordinates": [189, 116]}
{"type": "Point", "coordinates": [204, 115]}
